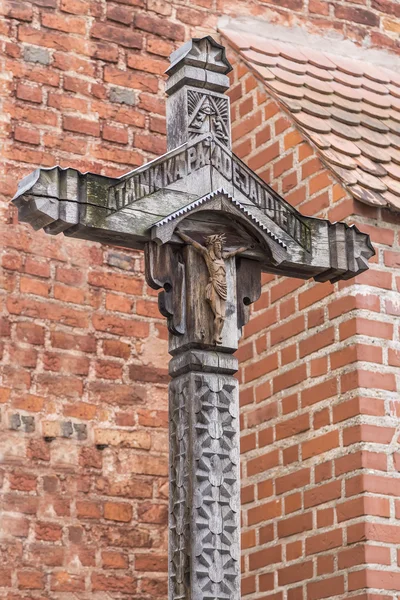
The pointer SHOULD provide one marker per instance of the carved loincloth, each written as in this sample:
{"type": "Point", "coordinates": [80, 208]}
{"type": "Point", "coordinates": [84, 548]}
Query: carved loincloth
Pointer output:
{"type": "Point", "coordinates": [216, 294]}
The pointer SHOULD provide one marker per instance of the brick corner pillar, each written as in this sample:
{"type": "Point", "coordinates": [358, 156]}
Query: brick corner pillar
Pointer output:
{"type": "Point", "coordinates": [319, 373]}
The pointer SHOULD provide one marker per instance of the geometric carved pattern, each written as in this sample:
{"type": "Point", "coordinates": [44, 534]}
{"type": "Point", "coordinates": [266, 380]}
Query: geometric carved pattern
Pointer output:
{"type": "Point", "coordinates": [208, 113]}
{"type": "Point", "coordinates": [204, 494]}
{"type": "Point", "coordinates": [217, 506]}
{"type": "Point", "coordinates": [179, 520]}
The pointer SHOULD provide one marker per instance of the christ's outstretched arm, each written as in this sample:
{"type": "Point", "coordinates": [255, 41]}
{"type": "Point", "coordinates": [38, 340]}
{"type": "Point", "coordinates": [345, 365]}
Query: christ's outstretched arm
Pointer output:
{"type": "Point", "coordinates": [189, 240]}
{"type": "Point", "coordinates": [235, 252]}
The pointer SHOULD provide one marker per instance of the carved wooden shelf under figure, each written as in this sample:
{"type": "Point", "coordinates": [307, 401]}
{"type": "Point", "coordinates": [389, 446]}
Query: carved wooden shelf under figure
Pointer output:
{"type": "Point", "coordinates": [199, 190]}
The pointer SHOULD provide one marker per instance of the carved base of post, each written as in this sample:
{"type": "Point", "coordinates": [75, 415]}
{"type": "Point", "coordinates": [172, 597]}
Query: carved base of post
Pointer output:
{"type": "Point", "coordinates": [204, 542]}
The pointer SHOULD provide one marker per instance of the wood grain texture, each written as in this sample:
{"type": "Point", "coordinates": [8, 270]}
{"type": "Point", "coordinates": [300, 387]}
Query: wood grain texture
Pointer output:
{"type": "Point", "coordinates": [204, 543]}
{"type": "Point", "coordinates": [200, 187]}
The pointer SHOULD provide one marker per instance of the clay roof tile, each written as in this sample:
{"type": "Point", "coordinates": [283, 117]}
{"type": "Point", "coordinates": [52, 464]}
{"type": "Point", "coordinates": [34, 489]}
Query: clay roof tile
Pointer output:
{"type": "Point", "coordinates": [392, 185]}
{"type": "Point", "coordinates": [318, 59]}
{"type": "Point", "coordinates": [287, 76]}
{"type": "Point", "coordinates": [392, 200]}
{"type": "Point", "coordinates": [317, 110]}
{"type": "Point", "coordinates": [346, 79]}
{"type": "Point", "coordinates": [376, 99]}
{"type": "Point", "coordinates": [369, 166]}
{"type": "Point", "coordinates": [285, 89]}
{"type": "Point", "coordinates": [314, 123]}
{"type": "Point", "coordinates": [348, 109]}
{"type": "Point", "coordinates": [394, 126]}
{"type": "Point", "coordinates": [396, 104]}
{"type": "Point", "coordinates": [292, 66]}
{"type": "Point", "coordinates": [345, 116]}
{"type": "Point", "coordinates": [394, 140]}
{"type": "Point", "coordinates": [376, 74]}
{"type": "Point", "coordinates": [374, 124]}
{"type": "Point", "coordinates": [291, 53]}
{"type": "Point", "coordinates": [394, 90]}
{"type": "Point", "coordinates": [321, 141]}
{"type": "Point", "coordinates": [348, 176]}
{"type": "Point", "coordinates": [339, 159]}
{"type": "Point", "coordinates": [370, 181]}
{"type": "Point", "coordinates": [347, 92]}
{"type": "Point", "coordinates": [258, 58]}
{"type": "Point", "coordinates": [351, 67]}
{"type": "Point", "coordinates": [318, 73]}
{"type": "Point", "coordinates": [293, 105]}
{"type": "Point", "coordinates": [313, 96]}
{"type": "Point", "coordinates": [265, 46]}
{"type": "Point", "coordinates": [373, 86]}
{"type": "Point", "coordinates": [348, 132]}
{"type": "Point", "coordinates": [367, 196]}
{"type": "Point", "coordinates": [393, 170]}
{"type": "Point", "coordinates": [395, 155]}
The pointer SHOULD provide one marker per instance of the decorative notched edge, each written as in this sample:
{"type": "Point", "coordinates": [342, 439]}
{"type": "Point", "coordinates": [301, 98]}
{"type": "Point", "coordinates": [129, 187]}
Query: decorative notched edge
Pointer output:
{"type": "Point", "coordinates": [48, 198]}
{"type": "Point", "coordinates": [204, 199]}
{"type": "Point", "coordinates": [351, 262]}
{"type": "Point", "coordinates": [202, 63]}
{"type": "Point", "coordinates": [192, 53]}
{"type": "Point", "coordinates": [65, 200]}
{"type": "Point", "coordinates": [52, 198]}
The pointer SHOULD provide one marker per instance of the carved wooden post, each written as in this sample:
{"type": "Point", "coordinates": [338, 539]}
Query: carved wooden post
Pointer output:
{"type": "Point", "coordinates": [202, 283]}
{"type": "Point", "coordinates": [209, 226]}
{"type": "Point", "coordinates": [204, 543]}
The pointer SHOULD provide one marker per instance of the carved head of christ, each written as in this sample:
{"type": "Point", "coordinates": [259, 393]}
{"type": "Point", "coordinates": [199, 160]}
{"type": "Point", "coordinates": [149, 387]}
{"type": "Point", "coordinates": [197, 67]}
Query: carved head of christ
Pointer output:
{"type": "Point", "coordinates": [215, 244]}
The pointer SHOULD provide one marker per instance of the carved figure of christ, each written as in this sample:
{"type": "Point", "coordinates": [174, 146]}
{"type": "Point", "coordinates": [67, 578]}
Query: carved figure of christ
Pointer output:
{"type": "Point", "coordinates": [216, 290]}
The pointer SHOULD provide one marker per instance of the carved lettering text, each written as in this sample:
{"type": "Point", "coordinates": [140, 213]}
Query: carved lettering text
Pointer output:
{"type": "Point", "coordinates": [164, 173]}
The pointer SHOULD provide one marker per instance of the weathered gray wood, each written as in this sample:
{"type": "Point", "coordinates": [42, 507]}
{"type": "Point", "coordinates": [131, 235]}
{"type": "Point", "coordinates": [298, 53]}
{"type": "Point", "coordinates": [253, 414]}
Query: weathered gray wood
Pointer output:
{"type": "Point", "coordinates": [165, 268]}
{"type": "Point", "coordinates": [204, 542]}
{"type": "Point", "coordinates": [175, 207]}
{"type": "Point", "coordinates": [312, 247]}
{"type": "Point", "coordinates": [219, 265]}
{"type": "Point", "coordinates": [248, 287]}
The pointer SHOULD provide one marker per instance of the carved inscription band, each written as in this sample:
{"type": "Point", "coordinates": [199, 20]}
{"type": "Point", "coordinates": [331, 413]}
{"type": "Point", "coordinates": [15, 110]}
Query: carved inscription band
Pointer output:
{"type": "Point", "coordinates": [203, 153]}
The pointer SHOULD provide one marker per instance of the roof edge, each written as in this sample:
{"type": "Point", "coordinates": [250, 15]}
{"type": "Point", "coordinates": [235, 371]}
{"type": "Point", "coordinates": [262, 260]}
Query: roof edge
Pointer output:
{"type": "Point", "coordinates": [331, 42]}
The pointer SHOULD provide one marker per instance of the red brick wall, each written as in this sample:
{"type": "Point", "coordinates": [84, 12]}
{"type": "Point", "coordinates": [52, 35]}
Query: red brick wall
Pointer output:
{"type": "Point", "coordinates": [83, 396]}
{"type": "Point", "coordinates": [319, 396]}
{"type": "Point", "coordinates": [84, 417]}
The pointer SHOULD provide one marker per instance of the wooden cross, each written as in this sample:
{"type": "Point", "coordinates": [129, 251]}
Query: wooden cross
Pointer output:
{"type": "Point", "coordinates": [209, 226]}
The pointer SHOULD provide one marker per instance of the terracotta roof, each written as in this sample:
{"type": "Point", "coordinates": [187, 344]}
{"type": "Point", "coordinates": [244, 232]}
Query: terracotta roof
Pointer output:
{"type": "Point", "coordinates": [347, 108]}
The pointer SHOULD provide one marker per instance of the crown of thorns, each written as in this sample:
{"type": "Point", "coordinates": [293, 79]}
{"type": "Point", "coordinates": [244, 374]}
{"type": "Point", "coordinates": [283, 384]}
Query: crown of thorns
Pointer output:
{"type": "Point", "coordinates": [212, 239]}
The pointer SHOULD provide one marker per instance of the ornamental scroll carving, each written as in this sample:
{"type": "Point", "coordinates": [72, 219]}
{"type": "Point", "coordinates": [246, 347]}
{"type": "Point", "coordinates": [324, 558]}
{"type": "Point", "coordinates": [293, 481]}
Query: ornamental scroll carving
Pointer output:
{"type": "Point", "coordinates": [204, 488]}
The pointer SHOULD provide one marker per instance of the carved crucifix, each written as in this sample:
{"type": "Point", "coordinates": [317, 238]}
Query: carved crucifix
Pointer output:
{"type": "Point", "coordinates": [216, 289]}
{"type": "Point", "coordinates": [209, 226]}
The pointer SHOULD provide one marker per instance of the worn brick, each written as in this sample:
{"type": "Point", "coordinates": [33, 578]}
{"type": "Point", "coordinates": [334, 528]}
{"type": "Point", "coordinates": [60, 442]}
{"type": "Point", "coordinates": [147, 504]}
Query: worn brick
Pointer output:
{"type": "Point", "coordinates": [119, 35]}
{"type": "Point", "coordinates": [158, 26]}
{"type": "Point", "coordinates": [357, 15]}
{"type": "Point", "coordinates": [30, 580]}
{"type": "Point", "coordinates": [113, 583]}
{"type": "Point", "coordinates": [21, 11]}
{"type": "Point", "coordinates": [78, 125]}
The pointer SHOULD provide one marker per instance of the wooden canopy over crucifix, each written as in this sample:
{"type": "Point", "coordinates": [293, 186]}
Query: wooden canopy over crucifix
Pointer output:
{"type": "Point", "coordinates": [209, 226]}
